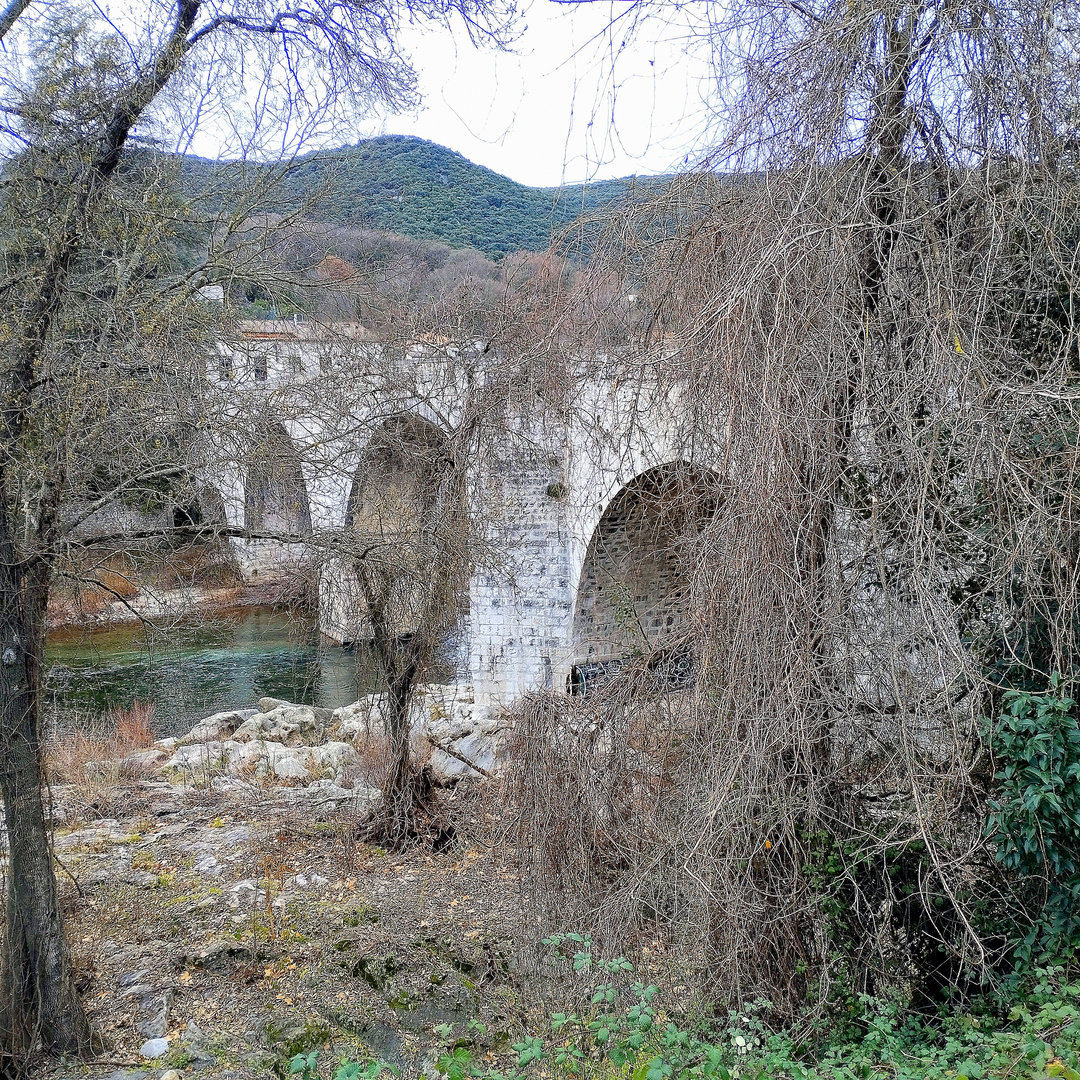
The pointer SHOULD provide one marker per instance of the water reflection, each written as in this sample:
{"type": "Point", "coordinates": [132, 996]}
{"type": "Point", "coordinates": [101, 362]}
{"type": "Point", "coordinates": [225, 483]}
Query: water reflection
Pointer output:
{"type": "Point", "coordinates": [189, 673]}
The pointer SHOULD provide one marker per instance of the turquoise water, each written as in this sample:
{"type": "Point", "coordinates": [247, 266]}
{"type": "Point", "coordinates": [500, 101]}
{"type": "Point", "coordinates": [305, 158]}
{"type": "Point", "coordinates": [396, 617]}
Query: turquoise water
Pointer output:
{"type": "Point", "coordinates": [190, 673]}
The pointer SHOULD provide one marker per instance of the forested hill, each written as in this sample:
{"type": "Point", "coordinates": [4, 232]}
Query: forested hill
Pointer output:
{"type": "Point", "coordinates": [419, 189]}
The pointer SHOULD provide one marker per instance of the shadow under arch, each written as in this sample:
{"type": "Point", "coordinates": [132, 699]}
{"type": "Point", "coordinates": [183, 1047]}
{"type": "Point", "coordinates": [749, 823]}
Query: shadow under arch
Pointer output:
{"type": "Point", "coordinates": [632, 600]}
{"type": "Point", "coordinates": [400, 485]}
{"type": "Point", "coordinates": [275, 494]}
{"type": "Point", "coordinates": [404, 515]}
{"type": "Point", "coordinates": [206, 508]}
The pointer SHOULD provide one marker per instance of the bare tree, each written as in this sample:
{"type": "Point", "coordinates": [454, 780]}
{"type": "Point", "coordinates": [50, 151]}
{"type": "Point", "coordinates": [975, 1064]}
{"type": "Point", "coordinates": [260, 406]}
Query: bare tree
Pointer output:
{"type": "Point", "coordinates": [100, 344]}
{"type": "Point", "coordinates": [864, 298]}
{"type": "Point", "coordinates": [410, 535]}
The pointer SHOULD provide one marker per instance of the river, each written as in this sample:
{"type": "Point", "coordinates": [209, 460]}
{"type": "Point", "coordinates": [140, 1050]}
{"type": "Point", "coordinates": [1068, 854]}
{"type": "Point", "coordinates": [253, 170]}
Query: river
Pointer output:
{"type": "Point", "coordinates": [188, 673]}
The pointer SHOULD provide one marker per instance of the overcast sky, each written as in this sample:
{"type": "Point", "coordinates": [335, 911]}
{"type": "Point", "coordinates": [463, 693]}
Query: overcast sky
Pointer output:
{"type": "Point", "coordinates": [550, 111]}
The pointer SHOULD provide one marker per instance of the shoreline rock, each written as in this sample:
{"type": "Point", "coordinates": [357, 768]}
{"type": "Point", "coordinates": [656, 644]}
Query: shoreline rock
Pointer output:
{"type": "Point", "coordinates": [305, 745]}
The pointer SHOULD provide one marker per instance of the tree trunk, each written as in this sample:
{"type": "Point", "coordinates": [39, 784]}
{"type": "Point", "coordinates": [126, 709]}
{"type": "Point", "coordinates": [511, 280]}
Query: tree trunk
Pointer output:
{"type": "Point", "coordinates": [398, 657]}
{"type": "Point", "coordinates": [399, 788]}
{"type": "Point", "coordinates": [37, 986]}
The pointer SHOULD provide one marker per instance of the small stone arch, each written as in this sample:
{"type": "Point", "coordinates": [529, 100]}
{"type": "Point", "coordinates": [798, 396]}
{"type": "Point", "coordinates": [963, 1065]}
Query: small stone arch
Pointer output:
{"type": "Point", "coordinates": [275, 493]}
{"type": "Point", "coordinates": [633, 592]}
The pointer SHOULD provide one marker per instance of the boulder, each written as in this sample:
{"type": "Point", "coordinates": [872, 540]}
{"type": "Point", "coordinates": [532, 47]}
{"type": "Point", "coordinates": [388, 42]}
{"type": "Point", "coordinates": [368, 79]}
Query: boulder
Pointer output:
{"type": "Point", "coordinates": [479, 748]}
{"type": "Point", "coordinates": [290, 768]}
{"type": "Point", "coordinates": [193, 1034]}
{"type": "Point", "coordinates": [219, 726]}
{"type": "Point", "coordinates": [269, 704]}
{"type": "Point", "coordinates": [362, 719]}
{"type": "Point", "coordinates": [324, 797]}
{"type": "Point", "coordinates": [157, 1023]}
{"type": "Point", "coordinates": [265, 757]}
{"type": "Point", "coordinates": [332, 757]}
{"type": "Point", "coordinates": [154, 1048]}
{"type": "Point", "coordinates": [205, 758]}
{"type": "Point", "coordinates": [292, 725]}
{"type": "Point", "coordinates": [143, 762]}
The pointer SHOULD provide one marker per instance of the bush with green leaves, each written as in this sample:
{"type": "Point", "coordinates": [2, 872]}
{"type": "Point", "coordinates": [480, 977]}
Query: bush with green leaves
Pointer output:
{"type": "Point", "coordinates": [306, 1066]}
{"type": "Point", "coordinates": [1034, 816]}
{"type": "Point", "coordinates": [624, 1032]}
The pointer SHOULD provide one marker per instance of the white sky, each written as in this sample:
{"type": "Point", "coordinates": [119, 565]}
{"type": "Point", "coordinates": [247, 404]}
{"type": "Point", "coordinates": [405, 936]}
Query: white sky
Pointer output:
{"type": "Point", "coordinates": [550, 112]}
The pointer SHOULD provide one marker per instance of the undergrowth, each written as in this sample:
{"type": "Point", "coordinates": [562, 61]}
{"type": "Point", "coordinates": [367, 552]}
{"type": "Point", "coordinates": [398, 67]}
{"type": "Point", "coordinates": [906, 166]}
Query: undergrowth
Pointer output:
{"type": "Point", "coordinates": [625, 1033]}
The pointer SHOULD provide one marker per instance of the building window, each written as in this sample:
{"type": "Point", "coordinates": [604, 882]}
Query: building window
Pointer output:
{"type": "Point", "coordinates": [260, 366]}
{"type": "Point", "coordinates": [225, 367]}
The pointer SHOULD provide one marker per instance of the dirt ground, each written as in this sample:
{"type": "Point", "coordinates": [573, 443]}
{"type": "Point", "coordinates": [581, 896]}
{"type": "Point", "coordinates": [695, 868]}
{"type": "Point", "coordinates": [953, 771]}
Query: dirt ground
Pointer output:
{"type": "Point", "coordinates": [244, 931]}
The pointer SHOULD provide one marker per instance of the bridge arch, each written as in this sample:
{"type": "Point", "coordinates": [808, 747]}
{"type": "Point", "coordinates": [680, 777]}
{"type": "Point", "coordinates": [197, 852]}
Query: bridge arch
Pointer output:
{"type": "Point", "coordinates": [400, 484]}
{"type": "Point", "coordinates": [275, 492]}
{"type": "Point", "coordinates": [632, 595]}
{"type": "Point", "coordinates": [403, 494]}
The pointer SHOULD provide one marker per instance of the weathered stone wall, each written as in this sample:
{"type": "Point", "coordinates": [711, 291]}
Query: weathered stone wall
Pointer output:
{"type": "Point", "coordinates": [542, 489]}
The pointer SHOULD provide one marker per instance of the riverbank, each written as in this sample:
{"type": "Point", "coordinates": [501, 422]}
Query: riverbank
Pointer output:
{"type": "Point", "coordinates": [165, 586]}
{"type": "Point", "coordinates": [222, 930]}
{"type": "Point", "coordinates": [224, 917]}
{"type": "Point", "coordinates": [164, 606]}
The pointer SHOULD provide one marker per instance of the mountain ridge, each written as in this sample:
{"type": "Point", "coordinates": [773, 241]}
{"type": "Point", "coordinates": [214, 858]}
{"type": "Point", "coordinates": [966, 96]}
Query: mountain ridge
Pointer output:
{"type": "Point", "coordinates": [419, 189]}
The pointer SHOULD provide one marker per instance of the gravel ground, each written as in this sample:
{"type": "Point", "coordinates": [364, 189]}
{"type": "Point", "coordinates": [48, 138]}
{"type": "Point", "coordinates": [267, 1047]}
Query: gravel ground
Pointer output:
{"type": "Point", "coordinates": [243, 929]}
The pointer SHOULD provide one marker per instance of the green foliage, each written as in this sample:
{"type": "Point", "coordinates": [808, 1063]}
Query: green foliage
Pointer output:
{"type": "Point", "coordinates": [1034, 818]}
{"type": "Point", "coordinates": [422, 190]}
{"type": "Point", "coordinates": [625, 1033]}
{"type": "Point", "coordinates": [306, 1067]}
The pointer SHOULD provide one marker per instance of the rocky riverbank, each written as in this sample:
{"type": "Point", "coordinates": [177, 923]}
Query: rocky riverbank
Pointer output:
{"type": "Point", "coordinates": [328, 753]}
{"type": "Point", "coordinates": [160, 605]}
{"type": "Point", "coordinates": [224, 917]}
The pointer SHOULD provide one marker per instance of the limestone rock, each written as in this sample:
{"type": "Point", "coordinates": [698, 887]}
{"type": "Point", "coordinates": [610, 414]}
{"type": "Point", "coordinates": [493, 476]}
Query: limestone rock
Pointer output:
{"type": "Point", "coordinates": [477, 747]}
{"type": "Point", "coordinates": [206, 757]}
{"type": "Point", "coordinates": [141, 879]}
{"type": "Point", "coordinates": [263, 758]}
{"type": "Point", "coordinates": [324, 796]}
{"type": "Point", "coordinates": [219, 726]}
{"type": "Point", "coordinates": [292, 725]}
{"type": "Point", "coordinates": [290, 768]}
{"type": "Point", "coordinates": [159, 1007]}
{"type": "Point", "coordinates": [269, 704]}
{"type": "Point", "coordinates": [332, 757]}
{"type": "Point", "coordinates": [154, 1048]}
{"type": "Point", "coordinates": [362, 719]}
{"type": "Point", "coordinates": [143, 762]}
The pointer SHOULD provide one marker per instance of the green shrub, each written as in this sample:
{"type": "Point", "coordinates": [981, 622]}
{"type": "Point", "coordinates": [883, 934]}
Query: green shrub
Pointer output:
{"type": "Point", "coordinates": [306, 1067]}
{"type": "Point", "coordinates": [624, 1035]}
{"type": "Point", "coordinates": [1034, 818]}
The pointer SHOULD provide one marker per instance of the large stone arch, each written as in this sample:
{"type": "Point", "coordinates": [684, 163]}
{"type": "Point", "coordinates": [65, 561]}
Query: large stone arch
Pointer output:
{"type": "Point", "coordinates": [399, 483]}
{"type": "Point", "coordinates": [275, 492]}
{"type": "Point", "coordinates": [402, 491]}
{"type": "Point", "coordinates": [335, 458]}
{"type": "Point", "coordinates": [632, 592]}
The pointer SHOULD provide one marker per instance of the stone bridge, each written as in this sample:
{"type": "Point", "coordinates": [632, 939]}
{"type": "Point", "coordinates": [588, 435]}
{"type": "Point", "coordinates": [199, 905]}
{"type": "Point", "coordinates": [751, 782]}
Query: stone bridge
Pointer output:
{"type": "Point", "coordinates": [585, 553]}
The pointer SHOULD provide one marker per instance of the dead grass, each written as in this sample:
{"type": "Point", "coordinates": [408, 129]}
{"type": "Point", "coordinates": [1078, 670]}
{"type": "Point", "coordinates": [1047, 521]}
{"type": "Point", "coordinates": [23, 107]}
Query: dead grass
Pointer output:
{"type": "Point", "coordinates": [90, 757]}
{"type": "Point", "coordinates": [374, 754]}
